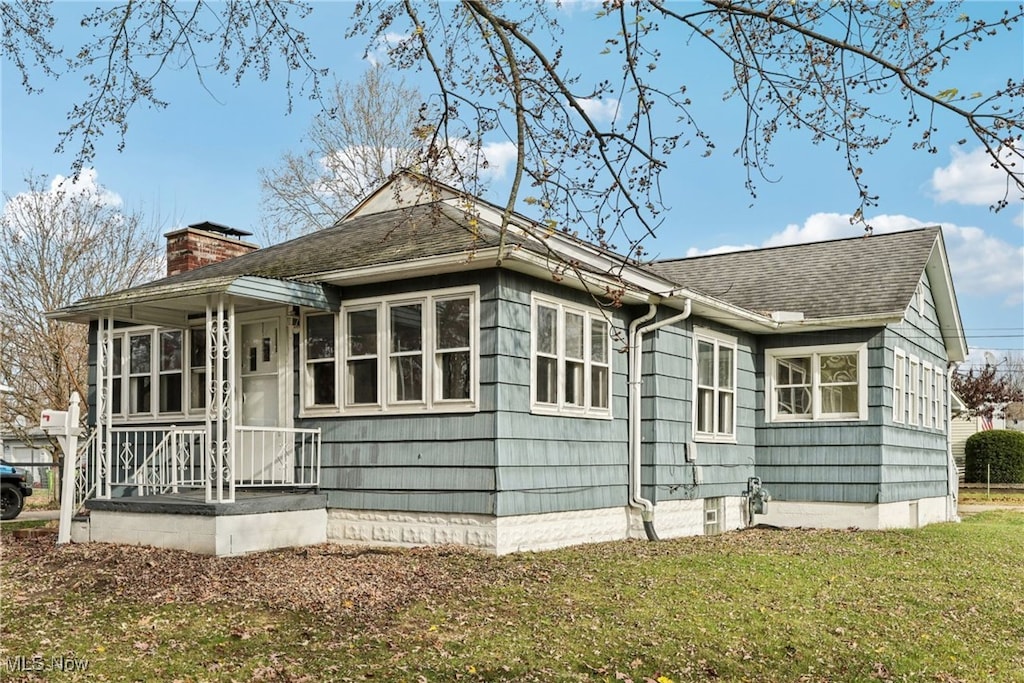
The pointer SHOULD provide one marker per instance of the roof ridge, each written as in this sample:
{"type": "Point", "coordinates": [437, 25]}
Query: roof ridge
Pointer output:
{"type": "Point", "coordinates": [883, 235]}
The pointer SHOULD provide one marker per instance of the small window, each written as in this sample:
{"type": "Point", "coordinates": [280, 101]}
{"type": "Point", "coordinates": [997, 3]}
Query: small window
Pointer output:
{"type": "Point", "coordinates": [715, 388]}
{"type": "Point", "coordinates": [899, 387]}
{"type": "Point", "coordinates": [321, 375]}
{"type": "Point", "coordinates": [453, 359]}
{"type": "Point", "coordinates": [199, 387]}
{"type": "Point", "coordinates": [116, 374]}
{"type": "Point", "coordinates": [361, 358]}
{"type": "Point", "coordinates": [819, 383]}
{"type": "Point", "coordinates": [171, 381]}
{"type": "Point", "coordinates": [140, 379]}
{"type": "Point", "coordinates": [571, 367]}
{"type": "Point", "coordinates": [406, 353]}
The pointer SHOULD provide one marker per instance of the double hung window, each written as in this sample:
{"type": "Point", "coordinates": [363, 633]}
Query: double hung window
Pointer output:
{"type": "Point", "coordinates": [571, 365]}
{"type": "Point", "coordinates": [715, 387]}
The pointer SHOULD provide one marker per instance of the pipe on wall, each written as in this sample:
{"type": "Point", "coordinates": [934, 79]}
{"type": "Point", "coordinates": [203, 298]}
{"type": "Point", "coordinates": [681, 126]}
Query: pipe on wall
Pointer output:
{"type": "Point", "coordinates": [637, 330]}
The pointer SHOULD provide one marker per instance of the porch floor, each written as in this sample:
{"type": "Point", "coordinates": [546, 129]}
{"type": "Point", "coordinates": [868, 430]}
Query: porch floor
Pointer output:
{"type": "Point", "coordinates": [247, 502]}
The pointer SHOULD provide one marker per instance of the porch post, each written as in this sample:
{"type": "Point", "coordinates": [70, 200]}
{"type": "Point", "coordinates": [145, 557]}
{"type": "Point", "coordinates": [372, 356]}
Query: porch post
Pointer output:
{"type": "Point", "coordinates": [103, 461]}
{"type": "Point", "coordinates": [210, 468]}
{"type": "Point", "coordinates": [220, 418]}
{"type": "Point", "coordinates": [228, 399]}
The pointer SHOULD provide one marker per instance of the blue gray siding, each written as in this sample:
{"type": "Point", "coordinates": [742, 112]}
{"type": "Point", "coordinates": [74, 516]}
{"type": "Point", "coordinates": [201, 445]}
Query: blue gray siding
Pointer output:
{"type": "Point", "coordinates": [828, 461]}
{"type": "Point", "coordinates": [437, 462]}
{"type": "Point", "coordinates": [667, 419]}
{"type": "Point", "coordinates": [552, 463]}
{"type": "Point", "coordinates": [914, 457]}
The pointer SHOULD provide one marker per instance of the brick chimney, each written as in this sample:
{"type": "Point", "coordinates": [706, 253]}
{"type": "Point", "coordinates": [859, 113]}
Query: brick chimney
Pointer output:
{"type": "Point", "coordinates": [201, 244]}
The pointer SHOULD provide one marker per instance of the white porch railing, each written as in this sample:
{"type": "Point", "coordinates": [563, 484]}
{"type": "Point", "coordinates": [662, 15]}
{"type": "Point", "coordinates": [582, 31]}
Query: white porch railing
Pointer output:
{"type": "Point", "coordinates": [273, 456]}
{"type": "Point", "coordinates": [157, 460]}
{"type": "Point", "coordinates": [87, 476]}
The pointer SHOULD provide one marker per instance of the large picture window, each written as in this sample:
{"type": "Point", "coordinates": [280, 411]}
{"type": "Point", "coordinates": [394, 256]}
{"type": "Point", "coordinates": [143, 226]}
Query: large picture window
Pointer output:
{"type": "Point", "coordinates": [817, 383]}
{"type": "Point", "coordinates": [715, 387]}
{"type": "Point", "coordinates": [571, 368]}
{"type": "Point", "coordinates": [402, 353]}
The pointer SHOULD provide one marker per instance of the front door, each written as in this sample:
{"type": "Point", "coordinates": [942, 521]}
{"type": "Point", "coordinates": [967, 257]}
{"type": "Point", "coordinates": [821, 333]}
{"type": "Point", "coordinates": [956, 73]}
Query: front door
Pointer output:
{"type": "Point", "coordinates": [260, 455]}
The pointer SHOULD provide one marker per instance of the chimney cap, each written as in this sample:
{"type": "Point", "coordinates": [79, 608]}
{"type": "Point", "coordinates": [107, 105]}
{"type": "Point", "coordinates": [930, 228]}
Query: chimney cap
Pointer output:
{"type": "Point", "coordinates": [209, 226]}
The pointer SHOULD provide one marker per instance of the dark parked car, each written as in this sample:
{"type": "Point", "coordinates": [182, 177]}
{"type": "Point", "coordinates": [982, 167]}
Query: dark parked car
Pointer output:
{"type": "Point", "coordinates": [14, 487]}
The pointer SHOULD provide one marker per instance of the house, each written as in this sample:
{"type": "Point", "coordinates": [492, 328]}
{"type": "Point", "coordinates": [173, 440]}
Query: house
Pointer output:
{"type": "Point", "coordinates": [412, 376]}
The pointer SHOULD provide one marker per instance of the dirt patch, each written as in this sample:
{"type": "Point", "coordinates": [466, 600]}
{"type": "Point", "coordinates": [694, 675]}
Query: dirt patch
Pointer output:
{"type": "Point", "coordinates": [329, 580]}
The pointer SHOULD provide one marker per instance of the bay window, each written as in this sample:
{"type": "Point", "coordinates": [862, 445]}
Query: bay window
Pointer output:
{"type": "Point", "coordinates": [817, 383]}
{"type": "Point", "coordinates": [571, 367]}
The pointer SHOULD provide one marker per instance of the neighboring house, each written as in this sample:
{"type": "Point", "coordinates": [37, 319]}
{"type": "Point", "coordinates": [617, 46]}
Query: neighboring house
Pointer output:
{"type": "Point", "coordinates": [437, 383]}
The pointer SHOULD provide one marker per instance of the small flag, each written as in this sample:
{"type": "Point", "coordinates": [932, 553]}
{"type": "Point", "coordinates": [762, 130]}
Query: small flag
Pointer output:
{"type": "Point", "coordinates": [986, 422]}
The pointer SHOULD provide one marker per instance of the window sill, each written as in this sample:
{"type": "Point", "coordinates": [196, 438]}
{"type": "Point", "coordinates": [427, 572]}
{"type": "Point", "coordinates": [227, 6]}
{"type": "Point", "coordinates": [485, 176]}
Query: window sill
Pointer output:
{"type": "Point", "coordinates": [377, 411]}
{"type": "Point", "coordinates": [812, 420]}
{"type": "Point", "coordinates": [554, 411]}
{"type": "Point", "coordinates": [713, 438]}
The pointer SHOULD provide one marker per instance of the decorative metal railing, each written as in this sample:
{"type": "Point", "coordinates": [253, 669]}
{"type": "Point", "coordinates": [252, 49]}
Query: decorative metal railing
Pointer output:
{"type": "Point", "coordinates": [87, 475]}
{"type": "Point", "coordinates": [169, 459]}
{"type": "Point", "coordinates": [153, 460]}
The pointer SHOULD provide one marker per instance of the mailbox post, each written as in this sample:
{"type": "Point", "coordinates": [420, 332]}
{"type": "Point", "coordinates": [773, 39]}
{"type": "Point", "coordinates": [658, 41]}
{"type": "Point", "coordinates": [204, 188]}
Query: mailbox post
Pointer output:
{"type": "Point", "coordinates": [64, 425]}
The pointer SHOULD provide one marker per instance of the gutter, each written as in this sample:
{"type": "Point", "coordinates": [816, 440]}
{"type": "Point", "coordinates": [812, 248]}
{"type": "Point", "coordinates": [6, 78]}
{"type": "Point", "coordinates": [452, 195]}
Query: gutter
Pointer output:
{"type": "Point", "coordinates": [953, 487]}
{"type": "Point", "coordinates": [636, 333]}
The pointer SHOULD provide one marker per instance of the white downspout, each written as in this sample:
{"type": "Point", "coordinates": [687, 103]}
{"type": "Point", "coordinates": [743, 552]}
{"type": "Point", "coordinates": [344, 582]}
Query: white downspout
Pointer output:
{"type": "Point", "coordinates": [952, 494]}
{"type": "Point", "coordinates": [645, 506]}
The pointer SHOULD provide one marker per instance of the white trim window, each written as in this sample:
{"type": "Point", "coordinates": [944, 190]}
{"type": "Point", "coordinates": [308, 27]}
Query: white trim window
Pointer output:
{"type": "Point", "coordinates": [199, 388]}
{"type": "Point", "coordinates": [714, 401]}
{"type": "Point", "coordinates": [403, 353]}
{"type": "Point", "coordinates": [320, 342]}
{"type": "Point", "coordinates": [927, 394]}
{"type": "Point", "coordinates": [899, 386]}
{"type": "Point", "coordinates": [921, 396]}
{"type": "Point", "coordinates": [913, 384]}
{"type": "Point", "coordinates": [153, 361]}
{"type": "Point", "coordinates": [817, 383]}
{"type": "Point", "coordinates": [570, 363]}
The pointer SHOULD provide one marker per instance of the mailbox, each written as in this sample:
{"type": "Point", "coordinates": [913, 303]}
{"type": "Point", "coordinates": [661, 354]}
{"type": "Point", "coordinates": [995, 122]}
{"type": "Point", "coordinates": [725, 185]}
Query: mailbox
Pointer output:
{"type": "Point", "coordinates": [53, 419]}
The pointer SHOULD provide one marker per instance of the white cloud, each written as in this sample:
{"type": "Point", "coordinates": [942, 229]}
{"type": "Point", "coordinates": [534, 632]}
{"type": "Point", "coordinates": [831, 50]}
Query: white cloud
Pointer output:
{"type": "Point", "coordinates": [982, 264]}
{"type": "Point", "coordinates": [85, 185]}
{"type": "Point", "coordinates": [601, 111]}
{"type": "Point", "coordinates": [500, 156]}
{"type": "Point", "coordinates": [970, 179]}
{"type": "Point", "coordinates": [379, 53]}
{"type": "Point", "coordinates": [724, 249]}
{"type": "Point", "coordinates": [985, 265]}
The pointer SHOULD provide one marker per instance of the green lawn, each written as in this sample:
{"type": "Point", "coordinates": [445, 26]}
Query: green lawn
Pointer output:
{"type": "Point", "coordinates": [943, 603]}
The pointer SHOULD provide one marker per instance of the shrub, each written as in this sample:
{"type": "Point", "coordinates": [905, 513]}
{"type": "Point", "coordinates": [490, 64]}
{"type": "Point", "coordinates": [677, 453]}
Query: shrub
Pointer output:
{"type": "Point", "coordinates": [1001, 449]}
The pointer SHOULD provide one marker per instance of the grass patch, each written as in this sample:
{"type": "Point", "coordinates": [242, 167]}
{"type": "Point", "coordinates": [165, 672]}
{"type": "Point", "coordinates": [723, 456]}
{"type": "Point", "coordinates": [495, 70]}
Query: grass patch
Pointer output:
{"type": "Point", "coordinates": [9, 527]}
{"type": "Point", "coordinates": [935, 604]}
{"type": "Point", "coordinates": [997, 496]}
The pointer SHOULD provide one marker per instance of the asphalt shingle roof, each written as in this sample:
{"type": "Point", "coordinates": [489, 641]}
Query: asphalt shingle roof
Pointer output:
{"type": "Point", "coordinates": [858, 276]}
{"type": "Point", "coordinates": [403, 234]}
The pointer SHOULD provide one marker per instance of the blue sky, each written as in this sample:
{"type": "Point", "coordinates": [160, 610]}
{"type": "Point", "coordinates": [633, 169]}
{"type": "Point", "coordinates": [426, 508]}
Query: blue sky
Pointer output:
{"type": "Point", "coordinates": [199, 159]}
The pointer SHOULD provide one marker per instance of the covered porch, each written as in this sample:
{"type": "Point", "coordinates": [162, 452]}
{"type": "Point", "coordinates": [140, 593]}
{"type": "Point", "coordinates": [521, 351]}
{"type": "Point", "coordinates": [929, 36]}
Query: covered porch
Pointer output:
{"type": "Point", "coordinates": [192, 438]}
